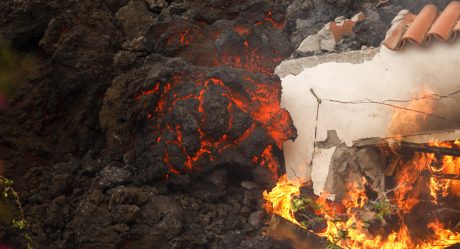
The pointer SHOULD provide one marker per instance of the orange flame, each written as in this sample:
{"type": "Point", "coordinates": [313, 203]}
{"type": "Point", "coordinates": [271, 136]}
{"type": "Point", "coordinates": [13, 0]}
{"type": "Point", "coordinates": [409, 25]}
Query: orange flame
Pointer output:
{"type": "Point", "coordinates": [422, 179]}
{"type": "Point", "coordinates": [279, 201]}
{"type": "Point", "coordinates": [408, 119]}
{"type": "Point", "coordinates": [281, 196]}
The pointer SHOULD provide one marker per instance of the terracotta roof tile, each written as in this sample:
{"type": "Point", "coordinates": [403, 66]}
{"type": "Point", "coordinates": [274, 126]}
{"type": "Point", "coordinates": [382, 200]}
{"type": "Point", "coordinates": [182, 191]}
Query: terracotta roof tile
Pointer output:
{"type": "Point", "coordinates": [339, 31]}
{"type": "Point", "coordinates": [345, 27]}
{"type": "Point", "coordinates": [457, 27]}
{"type": "Point", "coordinates": [444, 25]}
{"type": "Point", "coordinates": [421, 28]}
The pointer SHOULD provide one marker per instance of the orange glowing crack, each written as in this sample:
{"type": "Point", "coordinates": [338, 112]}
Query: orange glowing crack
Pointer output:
{"type": "Point", "coordinates": [148, 92]}
{"type": "Point", "coordinates": [261, 104]}
{"type": "Point", "coordinates": [275, 24]}
{"type": "Point", "coordinates": [185, 37]}
{"type": "Point", "coordinates": [241, 30]}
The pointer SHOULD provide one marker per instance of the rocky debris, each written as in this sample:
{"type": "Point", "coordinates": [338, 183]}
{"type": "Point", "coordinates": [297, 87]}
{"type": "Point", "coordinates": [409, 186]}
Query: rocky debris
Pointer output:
{"type": "Point", "coordinates": [249, 185]}
{"type": "Point", "coordinates": [332, 33]}
{"type": "Point", "coordinates": [157, 5]}
{"type": "Point", "coordinates": [207, 191]}
{"type": "Point", "coordinates": [112, 176]}
{"type": "Point", "coordinates": [154, 221]}
{"type": "Point", "coordinates": [304, 18]}
{"type": "Point", "coordinates": [256, 219]}
{"type": "Point", "coordinates": [135, 19]}
{"type": "Point", "coordinates": [350, 165]}
{"type": "Point", "coordinates": [124, 60]}
{"type": "Point", "coordinates": [342, 35]}
{"type": "Point", "coordinates": [371, 165]}
{"type": "Point", "coordinates": [23, 23]}
{"type": "Point", "coordinates": [73, 66]}
{"type": "Point", "coordinates": [139, 216]}
{"type": "Point", "coordinates": [128, 195]}
{"type": "Point", "coordinates": [371, 31]}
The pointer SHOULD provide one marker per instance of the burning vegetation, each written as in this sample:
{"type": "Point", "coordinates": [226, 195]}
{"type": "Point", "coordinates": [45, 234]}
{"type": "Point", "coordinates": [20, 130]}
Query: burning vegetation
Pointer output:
{"type": "Point", "coordinates": [418, 213]}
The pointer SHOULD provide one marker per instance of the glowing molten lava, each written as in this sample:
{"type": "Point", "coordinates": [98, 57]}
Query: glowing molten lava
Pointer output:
{"type": "Point", "coordinates": [227, 100]}
{"type": "Point", "coordinates": [260, 101]}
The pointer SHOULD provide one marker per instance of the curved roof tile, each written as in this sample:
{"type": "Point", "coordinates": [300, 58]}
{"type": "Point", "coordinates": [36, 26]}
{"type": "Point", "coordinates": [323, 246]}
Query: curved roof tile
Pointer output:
{"type": "Point", "coordinates": [446, 22]}
{"type": "Point", "coordinates": [420, 29]}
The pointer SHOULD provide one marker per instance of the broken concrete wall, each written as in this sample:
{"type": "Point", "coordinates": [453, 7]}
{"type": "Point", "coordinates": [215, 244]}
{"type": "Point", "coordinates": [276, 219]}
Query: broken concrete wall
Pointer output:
{"type": "Point", "coordinates": [360, 100]}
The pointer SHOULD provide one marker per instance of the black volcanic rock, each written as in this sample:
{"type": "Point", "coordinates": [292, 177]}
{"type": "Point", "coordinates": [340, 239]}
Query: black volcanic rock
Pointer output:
{"type": "Point", "coordinates": [135, 18]}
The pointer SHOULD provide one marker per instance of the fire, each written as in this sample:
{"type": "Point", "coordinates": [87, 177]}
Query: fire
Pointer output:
{"type": "Point", "coordinates": [351, 233]}
{"type": "Point", "coordinates": [407, 122]}
{"type": "Point", "coordinates": [449, 165]}
{"type": "Point", "coordinates": [424, 181]}
{"type": "Point", "coordinates": [406, 196]}
{"type": "Point", "coordinates": [444, 235]}
{"type": "Point", "coordinates": [281, 196]}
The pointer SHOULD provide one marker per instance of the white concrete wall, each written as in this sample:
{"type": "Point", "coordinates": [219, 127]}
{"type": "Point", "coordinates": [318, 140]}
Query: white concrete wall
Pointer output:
{"type": "Point", "coordinates": [389, 75]}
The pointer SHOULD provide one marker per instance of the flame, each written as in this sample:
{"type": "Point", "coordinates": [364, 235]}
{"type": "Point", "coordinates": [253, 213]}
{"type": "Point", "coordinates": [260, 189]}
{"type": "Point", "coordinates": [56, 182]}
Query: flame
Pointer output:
{"type": "Point", "coordinates": [408, 119]}
{"type": "Point", "coordinates": [449, 165]}
{"type": "Point", "coordinates": [279, 201]}
{"type": "Point", "coordinates": [423, 179]}
{"type": "Point", "coordinates": [281, 196]}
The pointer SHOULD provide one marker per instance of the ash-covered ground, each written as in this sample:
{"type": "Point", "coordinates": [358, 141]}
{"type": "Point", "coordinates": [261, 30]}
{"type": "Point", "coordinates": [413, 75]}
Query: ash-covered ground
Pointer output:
{"type": "Point", "coordinates": [152, 123]}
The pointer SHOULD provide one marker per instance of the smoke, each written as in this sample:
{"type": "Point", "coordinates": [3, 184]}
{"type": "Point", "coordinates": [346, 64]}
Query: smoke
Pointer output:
{"type": "Point", "coordinates": [360, 100]}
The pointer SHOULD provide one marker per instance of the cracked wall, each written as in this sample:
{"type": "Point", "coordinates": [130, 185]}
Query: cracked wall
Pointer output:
{"type": "Point", "coordinates": [418, 86]}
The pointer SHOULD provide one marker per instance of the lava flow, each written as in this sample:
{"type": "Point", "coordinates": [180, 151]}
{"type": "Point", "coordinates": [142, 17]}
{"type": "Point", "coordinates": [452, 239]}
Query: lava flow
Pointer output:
{"type": "Point", "coordinates": [223, 105]}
